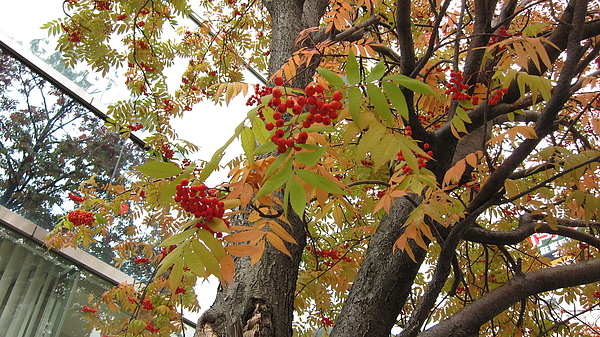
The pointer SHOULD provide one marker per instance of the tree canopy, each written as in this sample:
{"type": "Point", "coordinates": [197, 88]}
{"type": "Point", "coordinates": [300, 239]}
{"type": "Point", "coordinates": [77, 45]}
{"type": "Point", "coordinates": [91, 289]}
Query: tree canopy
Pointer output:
{"type": "Point", "coordinates": [394, 169]}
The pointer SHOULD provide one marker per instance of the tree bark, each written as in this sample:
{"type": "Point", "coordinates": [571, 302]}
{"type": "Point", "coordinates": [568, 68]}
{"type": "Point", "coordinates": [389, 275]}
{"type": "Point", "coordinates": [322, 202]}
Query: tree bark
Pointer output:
{"type": "Point", "coordinates": [384, 280]}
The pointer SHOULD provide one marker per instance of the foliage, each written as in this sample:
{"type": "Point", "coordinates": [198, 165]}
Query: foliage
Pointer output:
{"type": "Point", "coordinates": [478, 134]}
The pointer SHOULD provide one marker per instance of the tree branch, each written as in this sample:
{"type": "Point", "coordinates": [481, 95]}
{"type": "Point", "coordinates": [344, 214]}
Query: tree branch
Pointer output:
{"type": "Point", "coordinates": [469, 319]}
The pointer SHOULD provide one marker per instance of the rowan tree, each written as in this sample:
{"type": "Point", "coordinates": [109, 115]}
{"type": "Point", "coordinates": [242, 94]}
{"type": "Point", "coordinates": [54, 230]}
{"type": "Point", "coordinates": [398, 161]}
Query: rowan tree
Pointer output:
{"type": "Point", "coordinates": [393, 171]}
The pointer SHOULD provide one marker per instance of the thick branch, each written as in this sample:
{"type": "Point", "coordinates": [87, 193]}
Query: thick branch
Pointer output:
{"type": "Point", "coordinates": [525, 229]}
{"type": "Point", "coordinates": [467, 321]}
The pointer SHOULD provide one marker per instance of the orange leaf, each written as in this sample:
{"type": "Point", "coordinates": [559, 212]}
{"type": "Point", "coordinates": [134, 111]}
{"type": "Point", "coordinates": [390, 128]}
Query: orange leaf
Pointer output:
{"type": "Point", "coordinates": [278, 243]}
{"type": "Point", "coordinates": [242, 250]}
{"type": "Point", "coordinates": [256, 257]}
{"type": "Point", "coordinates": [227, 268]}
{"type": "Point", "coordinates": [281, 232]}
{"type": "Point", "coordinates": [245, 236]}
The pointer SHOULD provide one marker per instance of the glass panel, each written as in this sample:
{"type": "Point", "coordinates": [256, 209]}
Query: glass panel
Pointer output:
{"type": "Point", "coordinates": [34, 289]}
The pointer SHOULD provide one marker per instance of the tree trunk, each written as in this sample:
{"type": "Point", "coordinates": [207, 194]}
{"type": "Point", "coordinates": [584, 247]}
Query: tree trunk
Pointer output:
{"type": "Point", "coordinates": [259, 302]}
{"type": "Point", "coordinates": [384, 280]}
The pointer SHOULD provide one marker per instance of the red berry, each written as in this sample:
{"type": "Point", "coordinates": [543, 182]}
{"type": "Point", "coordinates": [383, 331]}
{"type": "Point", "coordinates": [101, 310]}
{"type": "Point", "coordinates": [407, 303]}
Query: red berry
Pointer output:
{"type": "Point", "coordinates": [282, 107]}
{"type": "Point", "coordinates": [289, 143]}
{"type": "Point", "coordinates": [269, 126]}
{"type": "Point", "coordinates": [319, 88]}
{"type": "Point", "coordinates": [302, 100]}
{"type": "Point", "coordinates": [277, 115]}
{"type": "Point", "coordinates": [297, 109]}
{"type": "Point", "coordinates": [337, 96]}
{"type": "Point", "coordinates": [426, 146]}
{"type": "Point", "coordinates": [278, 81]}
{"type": "Point", "coordinates": [277, 93]}
{"type": "Point", "coordinates": [279, 123]}
{"type": "Point", "coordinates": [310, 90]}
{"type": "Point", "coordinates": [290, 102]}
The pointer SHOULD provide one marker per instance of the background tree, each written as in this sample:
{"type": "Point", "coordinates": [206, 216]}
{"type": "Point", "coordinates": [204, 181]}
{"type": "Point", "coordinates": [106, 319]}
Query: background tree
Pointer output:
{"type": "Point", "coordinates": [399, 189]}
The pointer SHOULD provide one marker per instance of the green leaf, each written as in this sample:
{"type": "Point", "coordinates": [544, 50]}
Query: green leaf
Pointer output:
{"type": "Point", "coordinates": [215, 246]}
{"type": "Point", "coordinates": [380, 102]}
{"type": "Point", "coordinates": [209, 260]}
{"type": "Point", "coordinates": [310, 158]}
{"type": "Point", "coordinates": [248, 144]}
{"type": "Point", "coordinates": [266, 147]}
{"type": "Point", "coordinates": [412, 84]}
{"type": "Point", "coordinates": [159, 169]}
{"type": "Point", "coordinates": [395, 95]}
{"type": "Point", "coordinates": [276, 181]}
{"type": "Point", "coordinates": [376, 73]}
{"type": "Point", "coordinates": [178, 238]}
{"type": "Point", "coordinates": [320, 128]}
{"type": "Point", "coordinates": [276, 164]}
{"type": "Point", "coordinates": [167, 194]}
{"type": "Point", "coordinates": [354, 100]}
{"type": "Point", "coordinates": [462, 114]}
{"type": "Point", "coordinates": [459, 124]}
{"type": "Point", "coordinates": [370, 138]}
{"type": "Point", "coordinates": [297, 196]}
{"type": "Point", "coordinates": [260, 132]}
{"type": "Point", "coordinates": [404, 144]}
{"type": "Point", "coordinates": [193, 261]}
{"type": "Point", "coordinates": [352, 71]}
{"type": "Point", "coordinates": [319, 181]}
{"type": "Point", "coordinates": [385, 151]}
{"type": "Point", "coordinates": [334, 79]}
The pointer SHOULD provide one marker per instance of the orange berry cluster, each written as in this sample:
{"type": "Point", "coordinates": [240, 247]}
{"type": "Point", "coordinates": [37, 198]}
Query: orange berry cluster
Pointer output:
{"type": "Point", "coordinates": [81, 218]}
{"type": "Point", "coordinates": [422, 160]}
{"type": "Point", "coordinates": [321, 110]}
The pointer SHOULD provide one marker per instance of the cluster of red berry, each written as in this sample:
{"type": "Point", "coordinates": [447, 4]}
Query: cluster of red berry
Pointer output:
{"type": "Point", "coordinates": [319, 110]}
{"type": "Point", "coordinates": [502, 34]}
{"type": "Point", "coordinates": [332, 254]}
{"type": "Point", "coordinates": [103, 5]}
{"type": "Point", "coordinates": [146, 67]}
{"type": "Point", "coordinates": [139, 260]}
{"type": "Point", "coordinates": [497, 96]}
{"type": "Point", "coordinates": [75, 197]}
{"type": "Point", "coordinates": [456, 87]}
{"type": "Point", "coordinates": [147, 304]}
{"type": "Point", "coordinates": [85, 308]}
{"type": "Point", "coordinates": [259, 91]}
{"type": "Point", "coordinates": [200, 201]}
{"type": "Point", "coordinates": [150, 327]}
{"type": "Point", "coordinates": [326, 321]}
{"type": "Point", "coordinates": [74, 35]}
{"type": "Point", "coordinates": [81, 218]}
{"type": "Point", "coordinates": [164, 251]}
{"type": "Point", "coordinates": [135, 127]}
{"type": "Point", "coordinates": [167, 151]}
{"type": "Point", "coordinates": [422, 160]}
